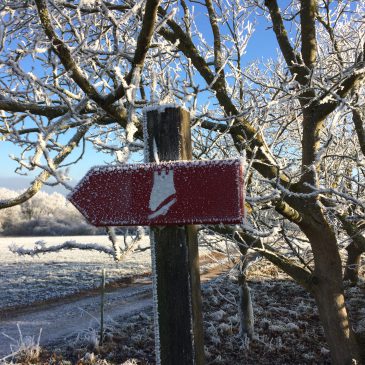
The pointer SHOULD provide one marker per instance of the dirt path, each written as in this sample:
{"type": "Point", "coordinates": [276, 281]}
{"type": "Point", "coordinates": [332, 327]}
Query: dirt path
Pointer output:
{"type": "Point", "coordinates": [58, 321]}
{"type": "Point", "coordinates": [67, 317]}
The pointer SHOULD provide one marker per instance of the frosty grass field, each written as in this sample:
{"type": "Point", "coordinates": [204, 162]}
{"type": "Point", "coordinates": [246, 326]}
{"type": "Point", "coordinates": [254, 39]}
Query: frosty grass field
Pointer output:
{"type": "Point", "coordinates": [287, 329]}
{"type": "Point", "coordinates": [25, 279]}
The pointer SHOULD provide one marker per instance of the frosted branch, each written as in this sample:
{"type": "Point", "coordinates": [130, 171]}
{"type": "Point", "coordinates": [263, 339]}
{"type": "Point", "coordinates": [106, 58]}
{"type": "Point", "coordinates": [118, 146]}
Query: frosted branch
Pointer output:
{"type": "Point", "coordinates": [40, 248]}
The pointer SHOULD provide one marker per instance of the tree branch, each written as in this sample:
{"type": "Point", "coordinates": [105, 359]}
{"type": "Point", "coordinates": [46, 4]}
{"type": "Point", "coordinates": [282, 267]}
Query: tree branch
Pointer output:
{"type": "Point", "coordinates": [218, 57]}
{"type": "Point", "coordinates": [353, 232]}
{"type": "Point", "coordinates": [244, 135]}
{"type": "Point", "coordinates": [37, 109]}
{"type": "Point", "coordinates": [300, 275]}
{"type": "Point", "coordinates": [94, 9]}
{"type": "Point", "coordinates": [118, 254]}
{"type": "Point", "coordinates": [352, 82]}
{"type": "Point", "coordinates": [288, 212]}
{"type": "Point", "coordinates": [308, 11]}
{"type": "Point", "coordinates": [106, 120]}
{"type": "Point", "coordinates": [286, 48]}
{"type": "Point", "coordinates": [40, 248]}
{"type": "Point", "coordinates": [43, 176]}
{"type": "Point", "coordinates": [327, 25]}
{"type": "Point", "coordinates": [359, 123]}
{"type": "Point", "coordinates": [143, 45]}
{"type": "Point", "coordinates": [64, 54]}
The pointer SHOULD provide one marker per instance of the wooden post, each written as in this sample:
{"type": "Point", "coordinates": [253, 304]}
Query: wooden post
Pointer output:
{"type": "Point", "coordinates": [102, 300]}
{"type": "Point", "coordinates": [179, 325]}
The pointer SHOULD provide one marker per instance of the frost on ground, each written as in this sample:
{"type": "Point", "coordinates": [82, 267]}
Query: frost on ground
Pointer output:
{"type": "Point", "coordinates": [27, 280]}
{"type": "Point", "coordinates": [287, 328]}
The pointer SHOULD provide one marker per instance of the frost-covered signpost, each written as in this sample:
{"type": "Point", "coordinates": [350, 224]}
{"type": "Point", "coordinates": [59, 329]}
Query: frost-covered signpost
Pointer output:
{"type": "Point", "coordinates": [169, 195]}
{"type": "Point", "coordinates": [175, 259]}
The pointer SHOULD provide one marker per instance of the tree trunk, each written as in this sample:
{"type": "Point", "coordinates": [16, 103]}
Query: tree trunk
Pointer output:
{"type": "Point", "coordinates": [328, 290]}
{"type": "Point", "coordinates": [354, 249]}
{"type": "Point", "coordinates": [353, 263]}
{"type": "Point", "coordinates": [334, 318]}
{"type": "Point", "coordinates": [245, 308]}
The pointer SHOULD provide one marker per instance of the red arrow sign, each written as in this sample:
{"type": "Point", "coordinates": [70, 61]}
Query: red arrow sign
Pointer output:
{"type": "Point", "coordinates": [162, 194]}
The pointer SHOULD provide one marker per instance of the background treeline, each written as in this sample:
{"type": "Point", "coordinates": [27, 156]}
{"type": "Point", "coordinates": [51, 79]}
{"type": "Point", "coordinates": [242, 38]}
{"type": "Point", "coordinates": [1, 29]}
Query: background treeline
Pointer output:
{"type": "Point", "coordinates": [43, 215]}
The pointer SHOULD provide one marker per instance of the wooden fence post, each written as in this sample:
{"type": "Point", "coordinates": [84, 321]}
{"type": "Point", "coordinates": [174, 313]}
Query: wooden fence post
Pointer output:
{"type": "Point", "coordinates": [178, 315]}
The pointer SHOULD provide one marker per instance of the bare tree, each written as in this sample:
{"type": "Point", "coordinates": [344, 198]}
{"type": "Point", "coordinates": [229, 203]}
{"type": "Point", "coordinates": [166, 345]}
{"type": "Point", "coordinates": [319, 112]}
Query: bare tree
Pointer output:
{"type": "Point", "coordinates": [299, 118]}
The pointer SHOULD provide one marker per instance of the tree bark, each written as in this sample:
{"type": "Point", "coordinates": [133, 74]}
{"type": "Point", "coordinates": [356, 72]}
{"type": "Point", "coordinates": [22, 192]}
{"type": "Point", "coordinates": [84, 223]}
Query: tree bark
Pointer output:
{"type": "Point", "coordinates": [245, 304]}
{"type": "Point", "coordinates": [245, 307]}
{"type": "Point", "coordinates": [353, 263]}
{"type": "Point", "coordinates": [354, 250]}
{"type": "Point", "coordinates": [328, 289]}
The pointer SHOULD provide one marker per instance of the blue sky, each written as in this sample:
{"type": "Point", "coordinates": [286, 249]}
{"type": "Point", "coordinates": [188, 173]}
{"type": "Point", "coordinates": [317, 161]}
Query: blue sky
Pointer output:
{"type": "Point", "coordinates": [261, 46]}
